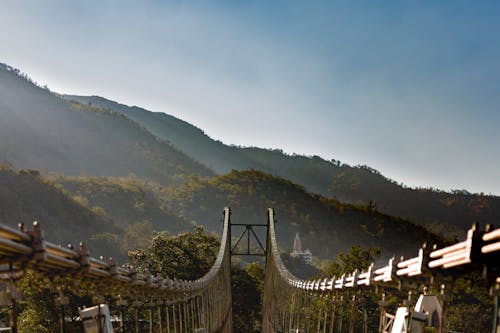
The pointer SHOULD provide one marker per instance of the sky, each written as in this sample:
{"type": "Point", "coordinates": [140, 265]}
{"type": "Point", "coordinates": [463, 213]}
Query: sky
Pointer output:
{"type": "Point", "coordinates": [410, 88]}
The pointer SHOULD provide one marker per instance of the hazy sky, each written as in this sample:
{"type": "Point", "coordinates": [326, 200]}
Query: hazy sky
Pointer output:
{"type": "Point", "coordinates": [410, 88]}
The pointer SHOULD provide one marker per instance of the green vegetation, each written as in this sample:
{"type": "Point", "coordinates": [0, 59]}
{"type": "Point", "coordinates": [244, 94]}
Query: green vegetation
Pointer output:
{"type": "Point", "coordinates": [442, 212]}
{"type": "Point", "coordinates": [326, 226]}
{"type": "Point", "coordinates": [468, 309]}
{"type": "Point", "coordinates": [247, 289]}
{"type": "Point", "coordinates": [345, 263]}
{"type": "Point", "coordinates": [125, 200]}
{"type": "Point", "coordinates": [189, 256]}
{"type": "Point", "coordinates": [26, 197]}
{"type": "Point", "coordinates": [39, 130]}
{"type": "Point", "coordinates": [121, 175]}
{"type": "Point", "coordinates": [448, 213]}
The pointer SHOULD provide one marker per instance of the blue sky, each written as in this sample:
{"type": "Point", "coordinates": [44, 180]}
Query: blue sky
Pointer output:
{"type": "Point", "coordinates": [411, 88]}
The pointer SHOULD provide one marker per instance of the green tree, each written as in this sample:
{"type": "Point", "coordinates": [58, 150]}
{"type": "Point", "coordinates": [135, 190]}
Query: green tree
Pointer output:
{"type": "Point", "coordinates": [345, 263]}
{"type": "Point", "coordinates": [246, 287]}
{"type": "Point", "coordinates": [355, 258]}
{"type": "Point", "coordinates": [470, 306]}
{"type": "Point", "coordinates": [186, 256]}
{"type": "Point", "coordinates": [137, 235]}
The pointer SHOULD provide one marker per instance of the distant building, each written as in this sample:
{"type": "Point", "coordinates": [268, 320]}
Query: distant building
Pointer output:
{"type": "Point", "coordinates": [304, 256]}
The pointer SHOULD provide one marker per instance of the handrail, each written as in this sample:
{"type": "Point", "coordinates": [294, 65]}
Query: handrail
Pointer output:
{"type": "Point", "coordinates": [285, 294]}
{"type": "Point", "coordinates": [26, 250]}
{"type": "Point", "coordinates": [456, 255]}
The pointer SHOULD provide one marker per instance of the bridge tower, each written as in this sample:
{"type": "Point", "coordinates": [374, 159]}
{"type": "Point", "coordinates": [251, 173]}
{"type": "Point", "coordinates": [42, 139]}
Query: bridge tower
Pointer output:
{"type": "Point", "coordinates": [250, 240]}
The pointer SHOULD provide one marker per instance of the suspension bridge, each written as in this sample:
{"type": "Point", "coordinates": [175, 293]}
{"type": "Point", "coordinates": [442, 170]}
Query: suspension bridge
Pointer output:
{"type": "Point", "coordinates": [290, 304]}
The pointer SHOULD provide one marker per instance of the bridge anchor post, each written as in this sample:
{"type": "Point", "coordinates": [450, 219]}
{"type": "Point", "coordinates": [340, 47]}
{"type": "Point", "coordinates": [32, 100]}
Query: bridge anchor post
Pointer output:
{"type": "Point", "coordinates": [382, 304]}
{"type": "Point", "coordinates": [332, 319]}
{"type": "Point", "coordinates": [496, 313]}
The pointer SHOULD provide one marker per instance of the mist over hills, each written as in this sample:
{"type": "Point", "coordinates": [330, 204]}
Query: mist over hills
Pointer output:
{"type": "Point", "coordinates": [140, 172]}
{"type": "Point", "coordinates": [26, 197]}
{"type": "Point", "coordinates": [443, 212]}
{"type": "Point", "coordinates": [40, 130]}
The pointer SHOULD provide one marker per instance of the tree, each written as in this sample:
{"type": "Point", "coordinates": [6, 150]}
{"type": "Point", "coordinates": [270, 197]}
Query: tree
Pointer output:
{"type": "Point", "coordinates": [186, 256]}
{"type": "Point", "coordinates": [189, 256]}
{"type": "Point", "coordinates": [137, 235]}
{"type": "Point", "coordinates": [355, 258]}
{"type": "Point", "coordinates": [345, 263]}
{"type": "Point", "coordinates": [246, 285]}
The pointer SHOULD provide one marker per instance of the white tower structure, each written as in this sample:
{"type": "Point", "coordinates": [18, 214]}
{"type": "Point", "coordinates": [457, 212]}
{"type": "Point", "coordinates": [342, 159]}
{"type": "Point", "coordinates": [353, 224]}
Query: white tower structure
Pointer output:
{"type": "Point", "coordinates": [305, 256]}
{"type": "Point", "coordinates": [297, 245]}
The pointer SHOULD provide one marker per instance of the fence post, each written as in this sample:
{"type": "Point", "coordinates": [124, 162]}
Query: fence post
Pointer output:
{"type": "Point", "coordinates": [496, 313]}
{"type": "Point", "coordinates": [13, 317]}
{"type": "Point", "coordinates": [382, 304]}
{"type": "Point", "coordinates": [351, 314]}
{"type": "Point", "coordinates": [136, 316]}
{"type": "Point", "coordinates": [332, 319]}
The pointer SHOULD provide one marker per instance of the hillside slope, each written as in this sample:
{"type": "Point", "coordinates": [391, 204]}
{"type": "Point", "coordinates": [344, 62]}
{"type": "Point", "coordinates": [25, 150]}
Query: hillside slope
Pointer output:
{"type": "Point", "coordinates": [326, 226]}
{"type": "Point", "coordinates": [438, 210]}
{"type": "Point", "coordinates": [40, 130]}
{"type": "Point", "coordinates": [26, 197]}
{"type": "Point", "coordinates": [444, 212]}
{"type": "Point", "coordinates": [124, 200]}
{"type": "Point", "coordinates": [186, 137]}
{"type": "Point", "coordinates": [80, 208]}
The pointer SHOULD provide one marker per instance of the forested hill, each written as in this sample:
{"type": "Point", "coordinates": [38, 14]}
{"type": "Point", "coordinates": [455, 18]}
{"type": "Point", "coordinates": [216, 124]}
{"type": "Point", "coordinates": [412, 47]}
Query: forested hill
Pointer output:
{"type": "Point", "coordinates": [26, 197]}
{"type": "Point", "coordinates": [40, 130]}
{"type": "Point", "coordinates": [125, 200]}
{"type": "Point", "coordinates": [441, 211]}
{"type": "Point", "coordinates": [186, 137]}
{"type": "Point", "coordinates": [325, 225]}
{"type": "Point", "coordinates": [114, 215]}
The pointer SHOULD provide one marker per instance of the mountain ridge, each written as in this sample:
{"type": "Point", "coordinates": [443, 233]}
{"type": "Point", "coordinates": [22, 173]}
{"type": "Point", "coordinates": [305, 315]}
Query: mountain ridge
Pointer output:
{"type": "Point", "coordinates": [42, 131]}
{"type": "Point", "coordinates": [445, 212]}
{"type": "Point", "coordinates": [101, 138]}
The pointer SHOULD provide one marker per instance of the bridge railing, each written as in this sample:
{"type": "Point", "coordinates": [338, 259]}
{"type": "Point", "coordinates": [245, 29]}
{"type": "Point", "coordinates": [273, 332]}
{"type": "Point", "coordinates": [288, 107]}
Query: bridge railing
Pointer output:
{"type": "Point", "coordinates": [201, 305]}
{"type": "Point", "coordinates": [295, 305]}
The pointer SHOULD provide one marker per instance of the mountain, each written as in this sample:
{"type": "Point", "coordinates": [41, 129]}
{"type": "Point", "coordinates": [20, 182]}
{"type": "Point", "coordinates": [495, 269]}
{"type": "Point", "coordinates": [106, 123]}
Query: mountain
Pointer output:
{"type": "Point", "coordinates": [40, 130]}
{"type": "Point", "coordinates": [123, 200]}
{"type": "Point", "coordinates": [26, 197]}
{"type": "Point", "coordinates": [441, 211]}
{"type": "Point", "coordinates": [326, 226]}
{"type": "Point", "coordinates": [114, 174]}
{"type": "Point", "coordinates": [186, 137]}
{"type": "Point", "coordinates": [447, 213]}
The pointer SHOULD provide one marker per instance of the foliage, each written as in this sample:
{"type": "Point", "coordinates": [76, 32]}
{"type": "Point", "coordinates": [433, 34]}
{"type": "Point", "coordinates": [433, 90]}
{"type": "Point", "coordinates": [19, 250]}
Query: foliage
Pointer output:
{"type": "Point", "coordinates": [25, 196]}
{"type": "Point", "coordinates": [40, 130]}
{"type": "Point", "coordinates": [327, 226]}
{"type": "Point", "coordinates": [298, 267]}
{"type": "Point", "coordinates": [186, 256]}
{"type": "Point", "coordinates": [39, 311]}
{"type": "Point", "coordinates": [30, 322]}
{"type": "Point", "coordinates": [247, 288]}
{"type": "Point", "coordinates": [345, 263]}
{"type": "Point", "coordinates": [190, 255]}
{"type": "Point", "coordinates": [354, 184]}
{"type": "Point", "coordinates": [256, 272]}
{"type": "Point", "coordinates": [137, 235]}
{"type": "Point", "coordinates": [469, 305]}
{"type": "Point", "coordinates": [125, 200]}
